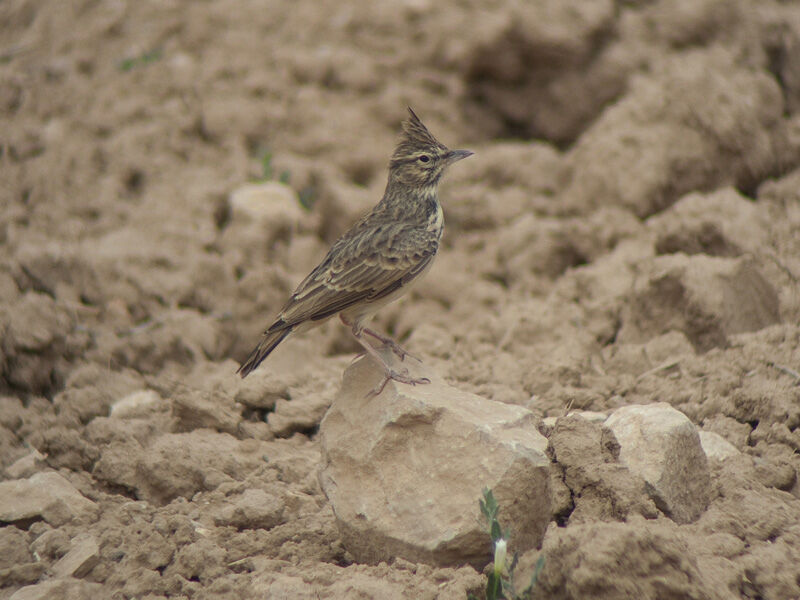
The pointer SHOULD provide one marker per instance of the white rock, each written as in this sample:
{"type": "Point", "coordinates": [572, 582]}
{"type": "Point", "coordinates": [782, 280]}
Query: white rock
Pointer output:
{"type": "Point", "coordinates": [405, 470]}
{"type": "Point", "coordinates": [661, 445]}
{"type": "Point", "coordinates": [716, 447]}
{"type": "Point", "coordinates": [80, 559]}
{"type": "Point", "coordinates": [142, 403]}
{"type": "Point", "coordinates": [45, 495]}
{"type": "Point", "coordinates": [268, 202]}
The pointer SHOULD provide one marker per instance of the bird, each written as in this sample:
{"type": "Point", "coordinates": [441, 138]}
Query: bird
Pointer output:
{"type": "Point", "coordinates": [378, 259]}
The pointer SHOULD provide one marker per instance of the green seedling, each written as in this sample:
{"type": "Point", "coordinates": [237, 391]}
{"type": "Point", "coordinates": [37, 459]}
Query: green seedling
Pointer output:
{"type": "Point", "coordinates": [128, 64]}
{"type": "Point", "coordinates": [500, 583]}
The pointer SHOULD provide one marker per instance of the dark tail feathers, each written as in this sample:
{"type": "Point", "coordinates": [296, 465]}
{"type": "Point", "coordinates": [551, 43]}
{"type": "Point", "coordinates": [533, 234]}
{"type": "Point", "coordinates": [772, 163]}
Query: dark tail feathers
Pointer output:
{"type": "Point", "coordinates": [267, 344]}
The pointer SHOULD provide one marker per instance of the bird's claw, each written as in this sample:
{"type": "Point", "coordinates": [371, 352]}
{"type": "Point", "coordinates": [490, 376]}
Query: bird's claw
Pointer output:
{"type": "Point", "coordinates": [399, 350]}
{"type": "Point", "coordinates": [401, 377]}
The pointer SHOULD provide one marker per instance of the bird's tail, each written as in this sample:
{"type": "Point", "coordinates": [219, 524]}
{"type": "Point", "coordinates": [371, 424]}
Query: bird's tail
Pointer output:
{"type": "Point", "coordinates": [267, 344]}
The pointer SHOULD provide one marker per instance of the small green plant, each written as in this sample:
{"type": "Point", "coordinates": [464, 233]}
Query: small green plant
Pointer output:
{"type": "Point", "coordinates": [500, 583]}
{"type": "Point", "coordinates": [266, 166]}
{"type": "Point", "coordinates": [306, 196]}
{"type": "Point", "coordinates": [145, 58]}
{"type": "Point", "coordinates": [267, 173]}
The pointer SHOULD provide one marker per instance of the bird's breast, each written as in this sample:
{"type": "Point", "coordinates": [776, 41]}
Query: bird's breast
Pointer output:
{"type": "Point", "coordinates": [435, 217]}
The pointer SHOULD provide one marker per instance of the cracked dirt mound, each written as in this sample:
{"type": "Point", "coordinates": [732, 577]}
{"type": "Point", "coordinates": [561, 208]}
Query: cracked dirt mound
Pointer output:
{"type": "Point", "coordinates": [637, 241]}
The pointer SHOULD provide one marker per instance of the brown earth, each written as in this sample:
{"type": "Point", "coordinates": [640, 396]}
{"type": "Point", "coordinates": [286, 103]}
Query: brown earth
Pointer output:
{"type": "Point", "coordinates": [627, 232]}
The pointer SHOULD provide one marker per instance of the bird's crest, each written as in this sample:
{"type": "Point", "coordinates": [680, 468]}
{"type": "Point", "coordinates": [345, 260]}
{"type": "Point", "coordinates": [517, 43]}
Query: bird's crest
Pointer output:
{"type": "Point", "coordinates": [415, 137]}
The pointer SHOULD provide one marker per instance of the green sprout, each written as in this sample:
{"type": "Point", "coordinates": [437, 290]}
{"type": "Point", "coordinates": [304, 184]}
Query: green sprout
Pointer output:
{"type": "Point", "coordinates": [500, 583]}
{"type": "Point", "coordinates": [266, 166]}
{"type": "Point", "coordinates": [145, 58]}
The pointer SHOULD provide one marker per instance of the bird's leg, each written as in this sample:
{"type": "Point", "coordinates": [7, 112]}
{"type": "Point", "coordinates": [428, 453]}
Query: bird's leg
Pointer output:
{"type": "Point", "coordinates": [389, 373]}
{"type": "Point", "coordinates": [393, 346]}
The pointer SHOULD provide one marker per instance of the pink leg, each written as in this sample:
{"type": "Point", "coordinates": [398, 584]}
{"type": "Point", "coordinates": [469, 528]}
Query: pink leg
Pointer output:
{"type": "Point", "coordinates": [389, 373]}
{"type": "Point", "coordinates": [394, 346]}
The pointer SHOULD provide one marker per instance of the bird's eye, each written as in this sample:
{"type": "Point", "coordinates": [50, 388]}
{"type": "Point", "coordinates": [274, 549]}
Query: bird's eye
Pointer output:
{"type": "Point", "coordinates": [424, 158]}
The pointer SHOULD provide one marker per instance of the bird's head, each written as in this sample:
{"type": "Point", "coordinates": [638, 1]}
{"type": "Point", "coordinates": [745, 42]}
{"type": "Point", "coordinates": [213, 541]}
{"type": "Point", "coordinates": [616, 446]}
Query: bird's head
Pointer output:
{"type": "Point", "coordinates": [420, 159]}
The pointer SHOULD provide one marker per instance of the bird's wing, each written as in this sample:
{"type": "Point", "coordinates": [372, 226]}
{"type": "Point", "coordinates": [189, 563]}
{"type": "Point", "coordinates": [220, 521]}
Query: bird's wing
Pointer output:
{"type": "Point", "coordinates": [365, 266]}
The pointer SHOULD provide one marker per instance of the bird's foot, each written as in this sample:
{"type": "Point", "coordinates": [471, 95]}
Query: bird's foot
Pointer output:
{"type": "Point", "coordinates": [399, 376]}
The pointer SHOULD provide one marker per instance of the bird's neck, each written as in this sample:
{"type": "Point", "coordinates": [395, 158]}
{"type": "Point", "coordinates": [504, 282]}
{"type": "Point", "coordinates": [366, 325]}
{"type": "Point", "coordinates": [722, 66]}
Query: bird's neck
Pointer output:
{"type": "Point", "coordinates": [404, 194]}
{"type": "Point", "coordinates": [419, 204]}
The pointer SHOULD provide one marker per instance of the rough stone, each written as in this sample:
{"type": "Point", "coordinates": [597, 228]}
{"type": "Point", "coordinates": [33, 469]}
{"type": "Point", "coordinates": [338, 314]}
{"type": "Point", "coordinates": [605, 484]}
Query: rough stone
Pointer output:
{"type": "Point", "coordinates": [404, 470]}
{"type": "Point", "coordinates": [548, 67]}
{"type": "Point", "coordinates": [22, 574]}
{"type": "Point", "coordinates": [601, 487]}
{"type": "Point", "coordinates": [665, 131]}
{"type": "Point", "coordinates": [181, 335]}
{"type": "Point", "coordinates": [616, 561]}
{"type": "Point", "coordinates": [261, 390]}
{"type": "Point", "coordinates": [52, 544]}
{"type": "Point", "coordinates": [662, 445]}
{"type": "Point", "coordinates": [715, 446]}
{"type": "Point", "coordinates": [300, 414]}
{"type": "Point", "coordinates": [26, 466]}
{"type": "Point", "coordinates": [196, 409]}
{"type": "Point", "coordinates": [35, 342]}
{"type": "Point", "coordinates": [182, 464]}
{"type": "Point", "coordinates": [65, 448]}
{"type": "Point", "coordinates": [173, 465]}
{"type": "Point", "coordinates": [47, 496]}
{"type": "Point", "coordinates": [707, 298]}
{"type": "Point", "coordinates": [722, 223]}
{"type": "Point", "coordinates": [253, 509]}
{"type": "Point", "coordinates": [80, 559]}
{"type": "Point", "coordinates": [13, 547]}
{"type": "Point", "coordinates": [92, 388]}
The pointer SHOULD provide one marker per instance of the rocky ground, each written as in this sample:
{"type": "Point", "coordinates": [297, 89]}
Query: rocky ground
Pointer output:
{"type": "Point", "coordinates": [625, 245]}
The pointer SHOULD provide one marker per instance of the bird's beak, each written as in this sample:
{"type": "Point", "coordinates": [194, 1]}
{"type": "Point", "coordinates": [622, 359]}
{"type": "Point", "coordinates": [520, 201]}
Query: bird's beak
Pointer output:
{"type": "Point", "coordinates": [454, 155]}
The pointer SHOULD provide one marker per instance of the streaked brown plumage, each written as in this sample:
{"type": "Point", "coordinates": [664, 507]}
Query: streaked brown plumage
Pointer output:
{"type": "Point", "coordinates": [377, 259]}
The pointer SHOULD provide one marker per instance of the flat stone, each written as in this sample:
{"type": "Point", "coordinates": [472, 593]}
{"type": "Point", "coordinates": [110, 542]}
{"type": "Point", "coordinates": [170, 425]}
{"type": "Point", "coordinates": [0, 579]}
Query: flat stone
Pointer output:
{"type": "Point", "coordinates": [80, 559]}
{"type": "Point", "coordinates": [662, 445]}
{"type": "Point", "coordinates": [405, 470]}
{"type": "Point", "coordinates": [47, 496]}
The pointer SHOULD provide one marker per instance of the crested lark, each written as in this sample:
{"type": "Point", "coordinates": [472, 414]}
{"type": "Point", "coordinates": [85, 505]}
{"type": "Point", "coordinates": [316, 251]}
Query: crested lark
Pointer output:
{"type": "Point", "coordinates": [378, 258]}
